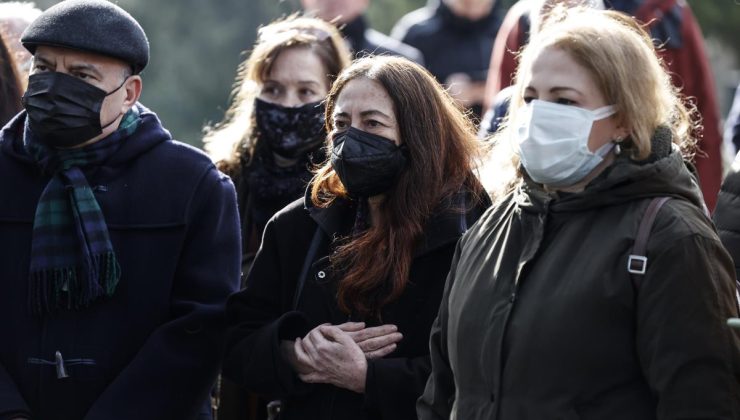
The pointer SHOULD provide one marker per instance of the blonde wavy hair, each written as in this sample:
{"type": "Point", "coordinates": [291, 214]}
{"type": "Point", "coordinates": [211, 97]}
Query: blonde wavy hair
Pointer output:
{"type": "Point", "coordinates": [233, 140]}
{"type": "Point", "coordinates": [621, 58]}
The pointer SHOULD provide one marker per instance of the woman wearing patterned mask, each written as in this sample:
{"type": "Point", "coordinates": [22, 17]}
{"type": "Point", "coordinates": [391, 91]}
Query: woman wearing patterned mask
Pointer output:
{"type": "Point", "coordinates": [271, 137]}
{"type": "Point", "coordinates": [275, 126]}
{"type": "Point", "coordinates": [585, 292]}
{"type": "Point", "coordinates": [340, 300]}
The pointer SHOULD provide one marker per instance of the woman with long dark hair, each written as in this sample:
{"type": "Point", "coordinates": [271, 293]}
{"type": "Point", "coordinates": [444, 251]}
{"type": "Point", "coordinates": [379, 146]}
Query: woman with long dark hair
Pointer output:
{"type": "Point", "coordinates": [343, 291]}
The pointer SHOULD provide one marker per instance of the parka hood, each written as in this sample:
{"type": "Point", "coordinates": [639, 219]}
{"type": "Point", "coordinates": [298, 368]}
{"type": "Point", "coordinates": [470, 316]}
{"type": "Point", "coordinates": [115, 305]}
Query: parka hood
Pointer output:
{"type": "Point", "coordinates": [663, 173]}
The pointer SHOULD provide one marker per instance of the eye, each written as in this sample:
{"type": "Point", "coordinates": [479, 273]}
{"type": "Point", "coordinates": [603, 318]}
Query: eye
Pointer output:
{"type": "Point", "coordinates": [307, 92]}
{"type": "Point", "coordinates": [270, 90]}
{"type": "Point", "coordinates": [340, 125]}
{"type": "Point", "coordinates": [565, 101]}
{"type": "Point", "coordinates": [82, 76]}
{"type": "Point", "coordinates": [40, 68]}
{"type": "Point", "coordinates": [528, 99]}
{"type": "Point", "coordinates": [373, 123]}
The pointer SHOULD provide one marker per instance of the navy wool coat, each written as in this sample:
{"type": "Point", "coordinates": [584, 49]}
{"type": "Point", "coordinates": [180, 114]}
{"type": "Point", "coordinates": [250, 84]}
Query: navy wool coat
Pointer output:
{"type": "Point", "coordinates": [152, 349]}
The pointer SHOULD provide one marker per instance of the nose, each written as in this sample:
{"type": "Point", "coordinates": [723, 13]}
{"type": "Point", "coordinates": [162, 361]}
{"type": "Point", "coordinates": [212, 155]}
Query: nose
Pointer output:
{"type": "Point", "coordinates": [291, 100]}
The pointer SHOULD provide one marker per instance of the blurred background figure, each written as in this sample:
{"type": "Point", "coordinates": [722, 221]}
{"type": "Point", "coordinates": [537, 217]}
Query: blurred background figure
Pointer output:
{"type": "Point", "coordinates": [271, 136]}
{"type": "Point", "coordinates": [732, 126]}
{"type": "Point", "coordinates": [349, 16]}
{"type": "Point", "coordinates": [15, 16]}
{"type": "Point", "coordinates": [10, 86]}
{"type": "Point", "coordinates": [680, 44]}
{"type": "Point", "coordinates": [456, 38]}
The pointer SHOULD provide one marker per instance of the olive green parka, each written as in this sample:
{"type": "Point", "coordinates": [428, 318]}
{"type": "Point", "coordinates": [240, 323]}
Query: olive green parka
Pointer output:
{"type": "Point", "coordinates": [540, 318]}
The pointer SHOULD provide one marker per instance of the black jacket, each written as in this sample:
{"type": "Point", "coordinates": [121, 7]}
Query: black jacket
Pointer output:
{"type": "Point", "coordinates": [364, 40]}
{"type": "Point", "coordinates": [541, 320]}
{"type": "Point", "coordinates": [262, 315]}
{"type": "Point", "coordinates": [156, 344]}
{"type": "Point", "coordinates": [450, 44]}
{"type": "Point", "coordinates": [727, 217]}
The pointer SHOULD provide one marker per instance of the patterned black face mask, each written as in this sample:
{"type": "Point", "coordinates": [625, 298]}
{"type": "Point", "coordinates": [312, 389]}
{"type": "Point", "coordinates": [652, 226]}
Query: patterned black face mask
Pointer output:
{"type": "Point", "coordinates": [367, 164]}
{"type": "Point", "coordinates": [290, 132]}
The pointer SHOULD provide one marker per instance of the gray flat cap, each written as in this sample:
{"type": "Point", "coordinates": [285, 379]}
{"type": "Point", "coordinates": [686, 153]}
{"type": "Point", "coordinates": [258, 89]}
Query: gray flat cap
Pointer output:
{"type": "Point", "coordinates": [96, 26]}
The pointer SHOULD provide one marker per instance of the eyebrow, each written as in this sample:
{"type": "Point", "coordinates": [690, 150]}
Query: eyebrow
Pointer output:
{"type": "Point", "coordinates": [557, 89]}
{"type": "Point", "coordinates": [369, 112]}
{"type": "Point", "coordinates": [41, 59]}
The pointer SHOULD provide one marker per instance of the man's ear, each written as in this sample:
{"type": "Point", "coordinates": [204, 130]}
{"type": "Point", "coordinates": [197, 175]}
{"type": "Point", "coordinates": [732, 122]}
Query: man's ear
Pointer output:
{"type": "Point", "coordinates": [132, 86]}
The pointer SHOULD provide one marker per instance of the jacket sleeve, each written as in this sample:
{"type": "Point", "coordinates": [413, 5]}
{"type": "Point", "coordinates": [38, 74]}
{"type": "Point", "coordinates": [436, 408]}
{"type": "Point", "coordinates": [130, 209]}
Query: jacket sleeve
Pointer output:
{"type": "Point", "coordinates": [260, 318]}
{"type": "Point", "coordinates": [12, 404]}
{"type": "Point", "coordinates": [439, 395]}
{"type": "Point", "coordinates": [689, 356]}
{"type": "Point", "coordinates": [172, 374]}
{"type": "Point", "coordinates": [391, 383]}
{"type": "Point", "coordinates": [727, 217]}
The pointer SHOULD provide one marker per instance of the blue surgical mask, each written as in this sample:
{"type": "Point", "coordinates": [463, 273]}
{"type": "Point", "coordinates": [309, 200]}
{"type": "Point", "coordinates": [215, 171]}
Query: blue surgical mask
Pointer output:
{"type": "Point", "coordinates": [553, 142]}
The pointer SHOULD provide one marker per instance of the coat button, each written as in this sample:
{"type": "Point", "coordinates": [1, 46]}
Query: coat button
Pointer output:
{"type": "Point", "coordinates": [321, 274]}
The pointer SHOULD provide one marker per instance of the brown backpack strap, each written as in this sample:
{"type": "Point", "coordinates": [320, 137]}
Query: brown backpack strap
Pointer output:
{"type": "Point", "coordinates": [637, 261]}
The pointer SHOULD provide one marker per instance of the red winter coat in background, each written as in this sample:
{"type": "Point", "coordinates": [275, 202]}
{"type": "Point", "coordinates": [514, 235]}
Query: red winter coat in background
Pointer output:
{"type": "Point", "coordinates": [683, 55]}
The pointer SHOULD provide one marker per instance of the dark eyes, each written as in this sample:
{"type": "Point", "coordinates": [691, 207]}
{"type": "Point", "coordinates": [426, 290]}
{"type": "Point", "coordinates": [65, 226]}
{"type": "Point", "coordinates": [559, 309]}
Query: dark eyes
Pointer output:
{"type": "Point", "coordinates": [561, 101]}
{"type": "Point", "coordinates": [564, 101]}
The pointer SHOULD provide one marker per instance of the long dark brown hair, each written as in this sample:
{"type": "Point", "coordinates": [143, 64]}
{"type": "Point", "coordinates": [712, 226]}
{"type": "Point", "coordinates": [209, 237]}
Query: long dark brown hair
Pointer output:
{"type": "Point", "coordinates": [443, 149]}
{"type": "Point", "coordinates": [10, 86]}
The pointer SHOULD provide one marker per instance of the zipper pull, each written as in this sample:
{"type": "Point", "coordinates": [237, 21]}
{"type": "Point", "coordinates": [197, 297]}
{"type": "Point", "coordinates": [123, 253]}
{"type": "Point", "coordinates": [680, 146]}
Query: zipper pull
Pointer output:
{"type": "Point", "coordinates": [59, 363]}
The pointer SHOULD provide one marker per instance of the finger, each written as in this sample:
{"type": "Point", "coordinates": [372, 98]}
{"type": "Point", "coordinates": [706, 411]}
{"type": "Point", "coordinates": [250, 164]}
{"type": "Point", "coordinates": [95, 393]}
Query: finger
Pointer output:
{"type": "Point", "coordinates": [376, 354]}
{"type": "Point", "coordinates": [372, 332]}
{"type": "Point", "coordinates": [303, 360]}
{"type": "Point", "coordinates": [351, 326]}
{"type": "Point", "coordinates": [335, 335]}
{"type": "Point", "coordinates": [310, 347]}
{"type": "Point", "coordinates": [380, 342]}
{"type": "Point", "coordinates": [311, 378]}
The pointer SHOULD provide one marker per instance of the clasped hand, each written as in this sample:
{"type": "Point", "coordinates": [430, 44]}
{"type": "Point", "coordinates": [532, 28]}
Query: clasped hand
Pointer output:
{"type": "Point", "coordinates": [338, 354]}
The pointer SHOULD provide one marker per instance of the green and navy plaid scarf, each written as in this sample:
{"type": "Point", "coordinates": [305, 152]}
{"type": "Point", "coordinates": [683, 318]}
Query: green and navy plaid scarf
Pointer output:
{"type": "Point", "coordinates": [72, 260]}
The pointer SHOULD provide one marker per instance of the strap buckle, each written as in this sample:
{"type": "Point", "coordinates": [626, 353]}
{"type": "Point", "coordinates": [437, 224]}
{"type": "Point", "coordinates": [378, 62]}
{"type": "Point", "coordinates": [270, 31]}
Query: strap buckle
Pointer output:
{"type": "Point", "coordinates": [637, 264]}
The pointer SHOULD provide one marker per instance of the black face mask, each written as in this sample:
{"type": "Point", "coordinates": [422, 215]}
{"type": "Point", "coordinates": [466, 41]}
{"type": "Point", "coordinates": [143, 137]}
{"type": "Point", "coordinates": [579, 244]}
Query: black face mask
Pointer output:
{"type": "Point", "coordinates": [63, 111]}
{"type": "Point", "coordinates": [367, 164]}
{"type": "Point", "coordinates": [290, 132]}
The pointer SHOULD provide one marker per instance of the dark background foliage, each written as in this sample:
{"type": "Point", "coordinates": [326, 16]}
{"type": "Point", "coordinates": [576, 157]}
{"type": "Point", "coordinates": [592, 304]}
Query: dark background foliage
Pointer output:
{"type": "Point", "coordinates": [196, 46]}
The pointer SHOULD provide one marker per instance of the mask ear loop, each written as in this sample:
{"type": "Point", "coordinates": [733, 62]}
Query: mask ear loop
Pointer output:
{"type": "Point", "coordinates": [107, 95]}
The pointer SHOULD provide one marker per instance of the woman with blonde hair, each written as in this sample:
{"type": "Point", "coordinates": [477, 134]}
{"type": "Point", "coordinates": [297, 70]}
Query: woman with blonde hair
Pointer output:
{"type": "Point", "coordinates": [336, 314]}
{"type": "Point", "coordinates": [274, 129]}
{"type": "Point", "coordinates": [596, 287]}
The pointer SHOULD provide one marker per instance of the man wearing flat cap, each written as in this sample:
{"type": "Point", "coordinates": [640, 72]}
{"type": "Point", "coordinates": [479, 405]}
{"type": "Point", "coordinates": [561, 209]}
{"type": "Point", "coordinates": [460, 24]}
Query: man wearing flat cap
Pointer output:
{"type": "Point", "coordinates": [118, 245]}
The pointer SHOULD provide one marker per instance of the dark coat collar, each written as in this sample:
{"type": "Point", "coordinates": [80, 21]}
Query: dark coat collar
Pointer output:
{"type": "Point", "coordinates": [455, 216]}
